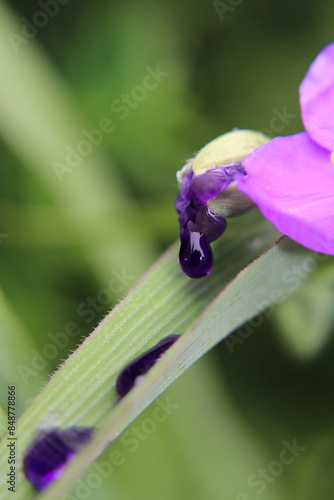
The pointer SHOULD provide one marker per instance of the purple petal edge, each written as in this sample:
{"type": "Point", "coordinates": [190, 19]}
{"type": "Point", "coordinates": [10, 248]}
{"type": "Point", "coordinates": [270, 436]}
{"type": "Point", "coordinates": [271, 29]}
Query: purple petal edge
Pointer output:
{"type": "Point", "coordinates": [317, 98]}
{"type": "Point", "coordinates": [291, 179]}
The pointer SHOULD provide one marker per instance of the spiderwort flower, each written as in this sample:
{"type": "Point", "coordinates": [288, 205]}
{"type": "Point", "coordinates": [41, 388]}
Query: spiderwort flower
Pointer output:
{"type": "Point", "coordinates": [47, 456]}
{"type": "Point", "coordinates": [290, 179]}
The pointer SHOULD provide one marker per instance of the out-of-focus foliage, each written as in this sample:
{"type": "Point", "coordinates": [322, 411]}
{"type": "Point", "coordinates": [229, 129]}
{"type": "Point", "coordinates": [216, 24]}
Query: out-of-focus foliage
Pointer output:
{"type": "Point", "coordinates": [70, 250]}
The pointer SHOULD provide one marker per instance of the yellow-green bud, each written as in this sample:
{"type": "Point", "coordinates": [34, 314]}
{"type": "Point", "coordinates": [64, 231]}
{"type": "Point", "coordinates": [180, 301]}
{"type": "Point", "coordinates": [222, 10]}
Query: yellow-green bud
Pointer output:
{"type": "Point", "coordinates": [227, 149]}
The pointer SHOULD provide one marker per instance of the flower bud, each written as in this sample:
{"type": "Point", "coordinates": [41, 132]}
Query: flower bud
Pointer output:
{"type": "Point", "coordinates": [208, 194]}
{"type": "Point", "coordinates": [225, 154]}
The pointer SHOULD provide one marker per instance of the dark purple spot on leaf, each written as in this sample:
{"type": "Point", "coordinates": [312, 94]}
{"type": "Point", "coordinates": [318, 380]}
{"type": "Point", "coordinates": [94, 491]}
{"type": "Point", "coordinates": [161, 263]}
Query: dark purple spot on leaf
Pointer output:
{"type": "Point", "coordinates": [129, 376]}
{"type": "Point", "coordinates": [47, 456]}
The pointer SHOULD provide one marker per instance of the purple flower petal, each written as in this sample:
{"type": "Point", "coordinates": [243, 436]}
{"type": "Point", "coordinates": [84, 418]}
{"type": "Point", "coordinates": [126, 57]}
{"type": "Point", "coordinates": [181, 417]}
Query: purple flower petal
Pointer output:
{"type": "Point", "coordinates": [183, 198]}
{"type": "Point", "coordinates": [291, 179]}
{"type": "Point", "coordinates": [205, 186]}
{"type": "Point", "coordinates": [317, 99]}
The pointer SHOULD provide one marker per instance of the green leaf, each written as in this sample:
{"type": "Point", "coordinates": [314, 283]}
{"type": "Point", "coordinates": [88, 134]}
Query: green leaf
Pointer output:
{"type": "Point", "coordinates": [200, 447]}
{"type": "Point", "coordinates": [165, 301]}
{"type": "Point", "coordinates": [3, 422]}
{"type": "Point", "coordinates": [212, 448]}
{"type": "Point", "coordinates": [306, 321]}
{"type": "Point", "coordinates": [220, 318]}
{"type": "Point", "coordinates": [15, 367]}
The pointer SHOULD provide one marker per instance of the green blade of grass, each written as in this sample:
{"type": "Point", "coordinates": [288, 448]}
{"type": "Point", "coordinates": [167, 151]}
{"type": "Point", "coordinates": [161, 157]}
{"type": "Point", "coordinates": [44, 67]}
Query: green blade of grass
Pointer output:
{"type": "Point", "coordinates": [82, 391]}
{"type": "Point", "coordinates": [238, 301]}
{"type": "Point", "coordinates": [204, 443]}
{"type": "Point", "coordinates": [165, 301]}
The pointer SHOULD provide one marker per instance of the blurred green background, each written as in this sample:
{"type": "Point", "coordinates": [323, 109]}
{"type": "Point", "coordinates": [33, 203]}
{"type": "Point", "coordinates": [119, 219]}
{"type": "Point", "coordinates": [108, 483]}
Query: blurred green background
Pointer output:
{"type": "Point", "coordinates": [161, 79]}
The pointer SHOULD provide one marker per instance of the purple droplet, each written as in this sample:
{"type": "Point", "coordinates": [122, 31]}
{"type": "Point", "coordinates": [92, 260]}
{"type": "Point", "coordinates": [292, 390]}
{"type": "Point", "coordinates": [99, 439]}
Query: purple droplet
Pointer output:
{"type": "Point", "coordinates": [195, 257]}
{"type": "Point", "coordinates": [129, 376]}
{"type": "Point", "coordinates": [47, 456]}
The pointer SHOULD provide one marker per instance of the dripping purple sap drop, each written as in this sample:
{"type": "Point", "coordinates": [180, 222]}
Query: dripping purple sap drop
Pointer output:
{"type": "Point", "coordinates": [195, 257]}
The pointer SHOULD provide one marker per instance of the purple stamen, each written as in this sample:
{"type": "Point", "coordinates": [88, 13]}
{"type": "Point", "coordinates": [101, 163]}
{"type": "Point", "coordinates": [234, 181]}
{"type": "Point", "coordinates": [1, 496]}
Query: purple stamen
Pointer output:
{"type": "Point", "coordinates": [130, 375]}
{"type": "Point", "coordinates": [47, 456]}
